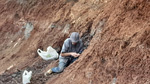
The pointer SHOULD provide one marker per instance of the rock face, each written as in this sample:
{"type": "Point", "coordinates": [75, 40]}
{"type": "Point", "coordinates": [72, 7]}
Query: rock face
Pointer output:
{"type": "Point", "coordinates": [116, 34]}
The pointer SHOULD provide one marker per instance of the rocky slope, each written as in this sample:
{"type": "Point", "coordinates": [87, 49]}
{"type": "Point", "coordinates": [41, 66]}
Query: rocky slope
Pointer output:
{"type": "Point", "coordinates": [115, 34]}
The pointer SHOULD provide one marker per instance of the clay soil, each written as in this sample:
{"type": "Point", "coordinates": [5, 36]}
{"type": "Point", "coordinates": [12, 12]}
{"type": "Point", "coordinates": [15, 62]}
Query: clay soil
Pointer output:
{"type": "Point", "coordinates": [116, 35]}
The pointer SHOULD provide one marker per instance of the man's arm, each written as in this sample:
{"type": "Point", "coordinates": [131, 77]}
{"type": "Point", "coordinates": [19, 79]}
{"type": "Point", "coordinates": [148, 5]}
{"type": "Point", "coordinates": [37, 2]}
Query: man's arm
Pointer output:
{"type": "Point", "coordinates": [70, 54]}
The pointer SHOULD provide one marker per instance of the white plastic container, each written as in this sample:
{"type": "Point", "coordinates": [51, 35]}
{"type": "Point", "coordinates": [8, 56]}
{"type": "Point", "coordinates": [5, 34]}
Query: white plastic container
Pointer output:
{"type": "Point", "coordinates": [26, 77]}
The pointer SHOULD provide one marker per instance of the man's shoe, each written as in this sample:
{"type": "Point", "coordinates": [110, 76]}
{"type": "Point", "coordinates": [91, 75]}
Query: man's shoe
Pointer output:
{"type": "Point", "coordinates": [48, 72]}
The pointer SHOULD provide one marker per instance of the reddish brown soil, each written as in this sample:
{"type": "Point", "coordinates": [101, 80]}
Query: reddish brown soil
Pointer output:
{"type": "Point", "coordinates": [115, 32]}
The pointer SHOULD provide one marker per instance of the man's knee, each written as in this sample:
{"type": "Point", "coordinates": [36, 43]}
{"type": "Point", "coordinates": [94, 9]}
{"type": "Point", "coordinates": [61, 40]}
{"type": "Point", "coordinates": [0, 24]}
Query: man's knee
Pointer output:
{"type": "Point", "coordinates": [61, 68]}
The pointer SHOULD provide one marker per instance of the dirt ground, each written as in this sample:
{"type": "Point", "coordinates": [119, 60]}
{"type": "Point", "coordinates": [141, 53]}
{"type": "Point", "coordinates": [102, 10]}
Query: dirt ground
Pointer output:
{"type": "Point", "coordinates": [116, 35]}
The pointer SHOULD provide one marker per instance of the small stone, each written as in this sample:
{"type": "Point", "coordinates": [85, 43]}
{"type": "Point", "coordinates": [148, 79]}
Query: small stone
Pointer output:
{"type": "Point", "coordinates": [14, 75]}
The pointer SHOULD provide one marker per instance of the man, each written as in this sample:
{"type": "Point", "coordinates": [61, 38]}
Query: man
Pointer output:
{"type": "Point", "coordinates": [71, 50]}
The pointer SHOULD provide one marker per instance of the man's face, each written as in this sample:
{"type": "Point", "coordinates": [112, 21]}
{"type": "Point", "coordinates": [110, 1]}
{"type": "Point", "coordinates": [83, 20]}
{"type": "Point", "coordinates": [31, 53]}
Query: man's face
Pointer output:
{"type": "Point", "coordinates": [74, 43]}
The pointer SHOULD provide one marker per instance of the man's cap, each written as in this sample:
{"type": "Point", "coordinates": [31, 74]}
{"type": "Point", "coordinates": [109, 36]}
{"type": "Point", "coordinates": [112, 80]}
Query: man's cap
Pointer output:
{"type": "Point", "coordinates": [74, 37]}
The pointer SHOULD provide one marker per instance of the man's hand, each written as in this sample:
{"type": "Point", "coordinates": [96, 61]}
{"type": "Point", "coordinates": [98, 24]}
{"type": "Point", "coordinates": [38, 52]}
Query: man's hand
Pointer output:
{"type": "Point", "coordinates": [75, 54]}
